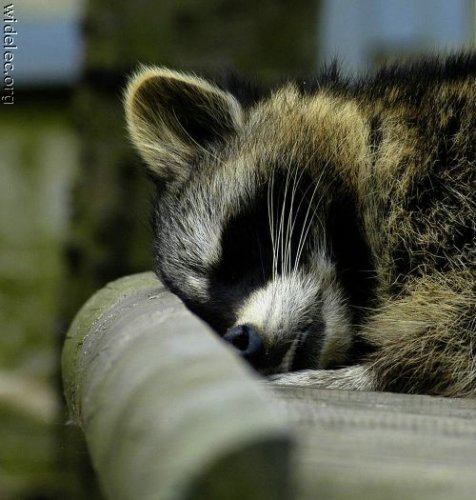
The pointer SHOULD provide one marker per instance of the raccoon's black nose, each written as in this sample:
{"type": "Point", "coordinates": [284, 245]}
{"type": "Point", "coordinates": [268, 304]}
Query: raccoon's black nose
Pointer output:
{"type": "Point", "coordinates": [246, 340]}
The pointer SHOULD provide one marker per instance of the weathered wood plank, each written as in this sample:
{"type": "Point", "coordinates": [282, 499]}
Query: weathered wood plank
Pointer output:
{"type": "Point", "coordinates": [167, 410]}
{"type": "Point", "coordinates": [170, 412]}
{"type": "Point", "coordinates": [354, 445]}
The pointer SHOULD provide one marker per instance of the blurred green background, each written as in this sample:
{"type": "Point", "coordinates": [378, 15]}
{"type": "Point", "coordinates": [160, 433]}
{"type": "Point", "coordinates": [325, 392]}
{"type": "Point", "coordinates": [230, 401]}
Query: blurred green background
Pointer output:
{"type": "Point", "coordinates": [73, 203]}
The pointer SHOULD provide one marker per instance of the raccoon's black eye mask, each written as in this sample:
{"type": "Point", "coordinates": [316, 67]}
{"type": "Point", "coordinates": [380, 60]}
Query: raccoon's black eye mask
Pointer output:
{"type": "Point", "coordinates": [265, 236]}
{"type": "Point", "coordinates": [258, 243]}
{"type": "Point", "coordinates": [174, 119]}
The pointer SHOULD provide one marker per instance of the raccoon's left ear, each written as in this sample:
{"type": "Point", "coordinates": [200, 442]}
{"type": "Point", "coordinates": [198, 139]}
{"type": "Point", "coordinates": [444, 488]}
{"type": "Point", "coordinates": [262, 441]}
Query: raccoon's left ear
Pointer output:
{"type": "Point", "coordinates": [171, 115]}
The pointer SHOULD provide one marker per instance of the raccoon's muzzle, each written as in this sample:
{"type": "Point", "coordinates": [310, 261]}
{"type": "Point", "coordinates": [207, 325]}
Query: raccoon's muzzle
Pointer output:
{"type": "Point", "coordinates": [301, 353]}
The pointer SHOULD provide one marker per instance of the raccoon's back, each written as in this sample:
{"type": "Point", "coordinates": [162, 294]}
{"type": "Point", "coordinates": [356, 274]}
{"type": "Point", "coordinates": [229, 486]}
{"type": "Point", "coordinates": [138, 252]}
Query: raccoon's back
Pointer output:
{"type": "Point", "coordinates": [418, 200]}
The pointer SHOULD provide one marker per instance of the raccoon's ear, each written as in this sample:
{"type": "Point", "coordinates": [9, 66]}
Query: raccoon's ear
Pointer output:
{"type": "Point", "coordinates": [171, 115]}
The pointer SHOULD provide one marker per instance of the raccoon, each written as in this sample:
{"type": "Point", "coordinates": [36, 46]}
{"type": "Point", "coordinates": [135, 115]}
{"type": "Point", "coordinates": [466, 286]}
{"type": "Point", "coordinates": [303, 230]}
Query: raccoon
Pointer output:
{"type": "Point", "coordinates": [325, 228]}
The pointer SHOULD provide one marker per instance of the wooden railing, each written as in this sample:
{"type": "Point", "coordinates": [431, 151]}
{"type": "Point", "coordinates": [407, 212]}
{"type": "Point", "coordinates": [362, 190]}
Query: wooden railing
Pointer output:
{"type": "Point", "coordinates": [169, 412]}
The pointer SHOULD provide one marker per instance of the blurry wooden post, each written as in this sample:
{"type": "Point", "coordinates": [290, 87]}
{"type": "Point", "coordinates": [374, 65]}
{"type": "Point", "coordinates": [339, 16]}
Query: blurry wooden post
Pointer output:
{"type": "Point", "coordinates": [110, 231]}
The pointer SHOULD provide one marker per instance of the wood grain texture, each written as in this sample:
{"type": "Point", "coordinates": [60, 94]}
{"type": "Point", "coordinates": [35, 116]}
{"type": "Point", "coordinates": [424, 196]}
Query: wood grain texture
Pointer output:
{"type": "Point", "coordinates": [364, 445]}
{"type": "Point", "coordinates": [167, 410]}
{"type": "Point", "coordinates": [170, 412]}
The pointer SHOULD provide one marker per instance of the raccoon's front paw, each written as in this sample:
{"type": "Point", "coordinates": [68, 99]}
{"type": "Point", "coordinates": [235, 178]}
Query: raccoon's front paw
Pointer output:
{"type": "Point", "coordinates": [354, 378]}
{"type": "Point", "coordinates": [305, 377]}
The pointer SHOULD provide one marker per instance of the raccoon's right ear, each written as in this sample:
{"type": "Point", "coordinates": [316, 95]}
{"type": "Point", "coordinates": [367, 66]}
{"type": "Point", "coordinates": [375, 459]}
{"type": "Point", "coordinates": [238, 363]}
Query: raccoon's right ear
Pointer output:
{"type": "Point", "coordinates": [171, 115]}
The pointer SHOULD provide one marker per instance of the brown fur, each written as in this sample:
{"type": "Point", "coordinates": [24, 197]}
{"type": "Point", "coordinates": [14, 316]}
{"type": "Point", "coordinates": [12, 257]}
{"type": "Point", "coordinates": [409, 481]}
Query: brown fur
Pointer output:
{"type": "Point", "coordinates": [404, 150]}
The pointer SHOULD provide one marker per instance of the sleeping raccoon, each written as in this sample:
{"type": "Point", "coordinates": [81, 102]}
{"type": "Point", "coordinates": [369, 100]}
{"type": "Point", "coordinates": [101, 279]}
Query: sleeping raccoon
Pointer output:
{"type": "Point", "coordinates": [325, 228]}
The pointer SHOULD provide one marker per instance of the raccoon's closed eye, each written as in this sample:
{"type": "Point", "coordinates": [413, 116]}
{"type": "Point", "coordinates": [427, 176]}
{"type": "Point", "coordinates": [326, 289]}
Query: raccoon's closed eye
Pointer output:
{"type": "Point", "coordinates": [246, 250]}
{"type": "Point", "coordinates": [271, 235]}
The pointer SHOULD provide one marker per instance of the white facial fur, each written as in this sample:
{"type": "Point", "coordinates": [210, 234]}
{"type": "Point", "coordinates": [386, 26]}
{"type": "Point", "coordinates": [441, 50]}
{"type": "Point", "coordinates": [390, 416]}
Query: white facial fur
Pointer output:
{"type": "Point", "coordinates": [290, 301]}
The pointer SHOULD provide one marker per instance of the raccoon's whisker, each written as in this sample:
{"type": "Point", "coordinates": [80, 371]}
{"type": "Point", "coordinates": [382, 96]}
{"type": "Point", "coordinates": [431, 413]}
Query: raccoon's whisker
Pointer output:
{"type": "Point", "coordinates": [286, 220]}
{"type": "Point", "coordinates": [288, 228]}
{"type": "Point", "coordinates": [269, 201]}
{"type": "Point", "coordinates": [303, 198]}
{"type": "Point", "coordinates": [307, 224]}
{"type": "Point", "coordinates": [291, 219]}
{"type": "Point", "coordinates": [271, 222]}
{"type": "Point", "coordinates": [281, 226]}
{"type": "Point", "coordinates": [298, 209]}
{"type": "Point", "coordinates": [294, 211]}
{"type": "Point", "coordinates": [305, 233]}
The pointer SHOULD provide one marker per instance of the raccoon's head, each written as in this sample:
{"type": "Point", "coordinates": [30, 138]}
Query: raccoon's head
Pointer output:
{"type": "Point", "coordinates": [243, 214]}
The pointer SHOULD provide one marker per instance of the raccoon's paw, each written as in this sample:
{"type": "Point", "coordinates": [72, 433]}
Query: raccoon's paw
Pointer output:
{"type": "Point", "coordinates": [356, 378]}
